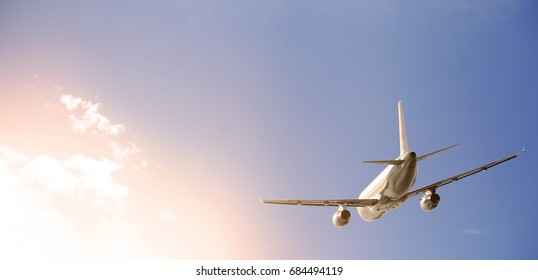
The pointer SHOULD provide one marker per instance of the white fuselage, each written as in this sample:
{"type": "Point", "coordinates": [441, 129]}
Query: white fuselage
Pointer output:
{"type": "Point", "coordinates": [390, 187]}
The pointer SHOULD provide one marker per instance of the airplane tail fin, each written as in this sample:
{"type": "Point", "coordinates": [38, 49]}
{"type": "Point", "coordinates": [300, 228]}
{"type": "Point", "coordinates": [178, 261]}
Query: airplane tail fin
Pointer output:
{"type": "Point", "coordinates": [404, 146]}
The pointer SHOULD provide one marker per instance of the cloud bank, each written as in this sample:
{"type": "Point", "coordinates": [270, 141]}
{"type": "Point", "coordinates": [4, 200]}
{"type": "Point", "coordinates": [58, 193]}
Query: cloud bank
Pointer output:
{"type": "Point", "coordinates": [70, 206]}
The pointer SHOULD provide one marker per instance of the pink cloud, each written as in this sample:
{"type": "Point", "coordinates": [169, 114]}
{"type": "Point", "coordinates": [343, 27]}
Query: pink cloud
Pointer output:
{"type": "Point", "coordinates": [85, 117]}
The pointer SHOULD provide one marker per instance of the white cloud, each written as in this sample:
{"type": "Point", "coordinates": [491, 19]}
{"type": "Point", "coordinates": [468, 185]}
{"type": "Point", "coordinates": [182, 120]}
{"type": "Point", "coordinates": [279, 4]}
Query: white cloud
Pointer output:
{"type": "Point", "coordinates": [49, 173]}
{"type": "Point", "coordinates": [94, 178]}
{"type": "Point", "coordinates": [72, 206]}
{"type": "Point", "coordinates": [34, 225]}
{"type": "Point", "coordinates": [167, 215]}
{"type": "Point", "coordinates": [127, 152]}
{"type": "Point", "coordinates": [86, 178]}
{"type": "Point", "coordinates": [11, 157]}
{"type": "Point", "coordinates": [124, 152]}
{"type": "Point", "coordinates": [474, 231]}
{"type": "Point", "coordinates": [32, 229]}
{"type": "Point", "coordinates": [70, 102]}
{"type": "Point", "coordinates": [85, 116]}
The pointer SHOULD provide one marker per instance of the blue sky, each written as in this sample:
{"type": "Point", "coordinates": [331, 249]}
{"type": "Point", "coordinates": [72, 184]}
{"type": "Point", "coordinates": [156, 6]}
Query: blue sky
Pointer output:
{"type": "Point", "coordinates": [284, 99]}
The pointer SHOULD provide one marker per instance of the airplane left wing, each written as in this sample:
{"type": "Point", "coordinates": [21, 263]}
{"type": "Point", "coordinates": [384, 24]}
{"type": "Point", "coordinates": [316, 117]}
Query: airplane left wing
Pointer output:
{"type": "Point", "coordinates": [329, 202]}
{"type": "Point", "coordinates": [441, 183]}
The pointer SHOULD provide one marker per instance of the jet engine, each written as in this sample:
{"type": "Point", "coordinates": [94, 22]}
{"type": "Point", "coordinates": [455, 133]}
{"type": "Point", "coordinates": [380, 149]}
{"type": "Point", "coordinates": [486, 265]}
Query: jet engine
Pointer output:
{"type": "Point", "coordinates": [430, 201]}
{"type": "Point", "coordinates": [342, 217]}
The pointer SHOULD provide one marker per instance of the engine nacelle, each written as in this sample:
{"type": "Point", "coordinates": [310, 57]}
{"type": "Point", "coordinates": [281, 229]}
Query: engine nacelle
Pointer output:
{"type": "Point", "coordinates": [430, 201]}
{"type": "Point", "coordinates": [342, 217]}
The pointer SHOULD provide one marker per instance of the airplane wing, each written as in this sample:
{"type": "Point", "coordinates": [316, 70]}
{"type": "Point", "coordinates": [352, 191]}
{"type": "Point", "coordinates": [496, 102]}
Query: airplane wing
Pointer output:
{"type": "Point", "coordinates": [329, 202]}
{"type": "Point", "coordinates": [461, 176]}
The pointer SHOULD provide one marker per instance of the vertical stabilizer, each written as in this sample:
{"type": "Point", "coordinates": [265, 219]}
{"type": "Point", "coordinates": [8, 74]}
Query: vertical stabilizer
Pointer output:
{"type": "Point", "coordinates": [404, 147]}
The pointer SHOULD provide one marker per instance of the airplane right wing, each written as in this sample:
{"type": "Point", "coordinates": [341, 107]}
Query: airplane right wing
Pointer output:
{"type": "Point", "coordinates": [328, 202]}
{"type": "Point", "coordinates": [461, 176]}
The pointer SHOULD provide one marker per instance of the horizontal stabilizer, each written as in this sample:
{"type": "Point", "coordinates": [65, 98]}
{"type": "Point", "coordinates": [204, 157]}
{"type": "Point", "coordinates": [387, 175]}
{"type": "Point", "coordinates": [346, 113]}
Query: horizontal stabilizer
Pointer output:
{"type": "Point", "coordinates": [436, 152]}
{"type": "Point", "coordinates": [389, 162]}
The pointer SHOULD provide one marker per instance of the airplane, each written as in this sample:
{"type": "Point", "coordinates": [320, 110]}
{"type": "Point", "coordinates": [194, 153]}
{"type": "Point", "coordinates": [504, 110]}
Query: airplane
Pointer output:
{"type": "Point", "coordinates": [392, 187]}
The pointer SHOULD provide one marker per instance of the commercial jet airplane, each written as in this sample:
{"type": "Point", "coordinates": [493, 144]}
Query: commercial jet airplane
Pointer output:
{"type": "Point", "coordinates": [392, 187]}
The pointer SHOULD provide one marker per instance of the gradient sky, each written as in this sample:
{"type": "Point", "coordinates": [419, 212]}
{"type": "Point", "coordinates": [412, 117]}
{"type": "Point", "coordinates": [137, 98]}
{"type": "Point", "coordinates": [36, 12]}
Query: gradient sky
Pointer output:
{"type": "Point", "coordinates": [150, 129]}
